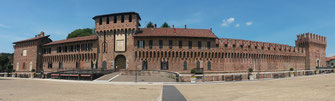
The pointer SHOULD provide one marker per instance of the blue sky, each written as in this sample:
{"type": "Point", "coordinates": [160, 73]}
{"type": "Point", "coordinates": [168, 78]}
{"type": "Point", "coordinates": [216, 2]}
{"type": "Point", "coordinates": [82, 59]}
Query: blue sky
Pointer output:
{"type": "Point", "coordinates": [277, 21]}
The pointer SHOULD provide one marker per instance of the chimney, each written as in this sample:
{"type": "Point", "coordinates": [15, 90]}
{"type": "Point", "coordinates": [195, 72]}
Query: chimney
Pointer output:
{"type": "Point", "coordinates": [185, 26]}
{"type": "Point", "coordinates": [42, 33]}
{"type": "Point", "coordinates": [172, 26]}
{"type": "Point", "coordinates": [210, 29]}
{"type": "Point", "coordinates": [155, 25]}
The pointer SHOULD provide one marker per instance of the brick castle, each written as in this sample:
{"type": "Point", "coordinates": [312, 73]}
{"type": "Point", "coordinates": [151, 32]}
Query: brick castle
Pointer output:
{"type": "Point", "coordinates": [119, 44]}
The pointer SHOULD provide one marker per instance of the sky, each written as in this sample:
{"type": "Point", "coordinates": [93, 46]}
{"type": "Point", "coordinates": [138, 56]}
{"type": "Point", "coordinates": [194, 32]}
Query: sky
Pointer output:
{"type": "Point", "coordinates": [275, 21]}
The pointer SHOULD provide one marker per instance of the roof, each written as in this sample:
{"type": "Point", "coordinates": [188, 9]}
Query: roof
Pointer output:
{"type": "Point", "coordinates": [175, 32]}
{"type": "Point", "coordinates": [76, 39]}
{"type": "Point", "coordinates": [113, 14]}
{"type": "Point", "coordinates": [31, 39]}
{"type": "Point", "coordinates": [330, 58]}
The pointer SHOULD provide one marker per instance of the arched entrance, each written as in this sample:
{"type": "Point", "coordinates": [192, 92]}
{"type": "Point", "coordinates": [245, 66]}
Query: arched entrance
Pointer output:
{"type": "Point", "coordinates": [120, 62]}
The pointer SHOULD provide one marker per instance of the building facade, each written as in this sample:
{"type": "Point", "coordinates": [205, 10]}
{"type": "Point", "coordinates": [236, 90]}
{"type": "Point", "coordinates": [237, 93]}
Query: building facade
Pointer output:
{"type": "Point", "coordinates": [119, 44]}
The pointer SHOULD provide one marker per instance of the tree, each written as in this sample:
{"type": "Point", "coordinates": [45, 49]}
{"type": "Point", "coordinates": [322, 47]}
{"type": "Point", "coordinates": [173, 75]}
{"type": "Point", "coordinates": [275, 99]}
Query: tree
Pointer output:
{"type": "Point", "coordinates": [3, 61]}
{"type": "Point", "coordinates": [80, 32]}
{"type": "Point", "coordinates": [150, 25]}
{"type": "Point", "coordinates": [165, 25]}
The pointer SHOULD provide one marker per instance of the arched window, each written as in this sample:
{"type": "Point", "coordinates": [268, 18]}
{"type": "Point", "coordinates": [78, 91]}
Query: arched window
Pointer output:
{"type": "Point", "coordinates": [185, 65]}
{"type": "Point", "coordinates": [164, 65]}
{"type": "Point", "coordinates": [209, 65]}
{"type": "Point", "coordinates": [78, 65]}
{"type": "Point", "coordinates": [60, 65]}
{"type": "Point", "coordinates": [24, 65]}
{"type": "Point", "coordinates": [30, 66]}
{"type": "Point", "coordinates": [198, 64]}
{"type": "Point", "coordinates": [144, 65]}
{"type": "Point", "coordinates": [104, 65]}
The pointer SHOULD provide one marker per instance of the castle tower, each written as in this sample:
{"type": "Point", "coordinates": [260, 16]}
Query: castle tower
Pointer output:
{"type": "Point", "coordinates": [315, 49]}
{"type": "Point", "coordinates": [115, 32]}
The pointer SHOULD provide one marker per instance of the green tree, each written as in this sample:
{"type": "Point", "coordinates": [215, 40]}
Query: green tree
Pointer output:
{"type": "Point", "coordinates": [150, 25]}
{"type": "Point", "coordinates": [80, 32]}
{"type": "Point", "coordinates": [165, 25]}
{"type": "Point", "coordinates": [9, 68]}
{"type": "Point", "coordinates": [3, 61]}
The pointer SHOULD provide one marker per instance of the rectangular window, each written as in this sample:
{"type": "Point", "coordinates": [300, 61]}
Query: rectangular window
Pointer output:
{"type": "Point", "coordinates": [115, 19]}
{"type": "Point", "coordinates": [107, 21]}
{"type": "Point", "coordinates": [160, 43]}
{"type": "Point", "coordinates": [65, 48]}
{"type": "Point", "coordinates": [90, 46]}
{"type": "Point", "coordinates": [100, 21]}
{"type": "Point", "coordinates": [140, 44]}
{"type": "Point", "coordinates": [49, 64]}
{"type": "Point", "coordinates": [130, 18]}
{"type": "Point", "coordinates": [199, 44]}
{"type": "Point", "coordinates": [122, 18]}
{"type": "Point", "coordinates": [24, 53]}
{"type": "Point", "coordinates": [208, 45]}
{"type": "Point", "coordinates": [60, 65]}
{"type": "Point", "coordinates": [180, 44]}
{"type": "Point", "coordinates": [170, 44]}
{"type": "Point", "coordinates": [189, 44]}
{"type": "Point", "coordinates": [226, 45]}
{"type": "Point", "coordinates": [150, 44]}
{"type": "Point", "coordinates": [78, 48]}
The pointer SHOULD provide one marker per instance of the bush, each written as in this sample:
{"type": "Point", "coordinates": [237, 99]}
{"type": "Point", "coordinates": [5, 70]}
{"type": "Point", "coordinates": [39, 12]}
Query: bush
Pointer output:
{"type": "Point", "coordinates": [291, 69]}
{"type": "Point", "coordinates": [33, 70]}
{"type": "Point", "coordinates": [251, 70]}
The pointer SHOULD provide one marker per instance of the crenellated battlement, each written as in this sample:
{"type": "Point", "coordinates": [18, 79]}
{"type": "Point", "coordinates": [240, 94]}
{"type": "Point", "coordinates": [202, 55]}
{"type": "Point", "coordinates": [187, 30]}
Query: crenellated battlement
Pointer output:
{"type": "Point", "coordinates": [310, 37]}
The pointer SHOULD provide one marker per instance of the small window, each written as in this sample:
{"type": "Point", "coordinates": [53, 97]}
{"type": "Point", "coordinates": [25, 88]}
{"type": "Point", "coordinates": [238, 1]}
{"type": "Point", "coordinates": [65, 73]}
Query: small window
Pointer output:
{"type": "Point", "coordinates": [115, 19]}
{"type": "Point", "coordinates": [150, 44]}
{"type": "Point", "coordinates": [256, 47]}
{"type": "Point", "coordinates": [170, 44]}
{"type": "Point", "coordinates": [130, 18]}
{"type": "Point", "coordinates": [140, 44]}
{"type": "Point", "coordinates": [226, 45]}
{"type": "Point", "coordinates": [185, 65]}
{"type": "Point", "coordinates": [332, 64]}
{"type": "Point", "coordinates": [107, 21]}
{"type": "Point", "coordinates": [208, 45]}
{"type": "Point", "coordinates": [241, 46]}
{"type": "Point", "coordinates": [189, 44]}
{"type": "Point", "coordinates": [160, 43]}
{"type": "Point", "coordinates": [100, 21]}
{"type": "Point", "coordinates": [122, 18]}
{"type": "Point", "coordinates": [234, 46]}
{"type": "Point", "coordinates": [198, 64]}
{"type": "Point", "coordinates": [49, 65]}
{"type": "Point", "coordinates": [180, 44]}
{"type": "Point", "coordinates": [199, 44]}
{"type": "Point", "coordinates": [24, 53]}
{"type": "Point", "coordinates": [60, 65]}
{"type": "Point", "coordinates": [209, 66]}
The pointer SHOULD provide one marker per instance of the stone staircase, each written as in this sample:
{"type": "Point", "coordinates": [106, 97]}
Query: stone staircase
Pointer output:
{"type": "Point", "coordinates": [108, 77]}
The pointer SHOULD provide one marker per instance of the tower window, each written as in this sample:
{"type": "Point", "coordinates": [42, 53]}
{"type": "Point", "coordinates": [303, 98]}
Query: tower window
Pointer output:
{"type": "Point", "coordinates": [122, 18]}
{"type": "Point", "coordinates": [140, 44]}
{"type": "Point", "coordinates": [130, 18]}
{"type": "Point", "coordinates": [209, 45]}
{"type": "Point", "coordinates": [115, 19]}
{"type": "Point", "coordinates": [150, 44]}
{"type": "Point", "coordinates": [100, 21]}
{"type": "Point", "coordinates": [107, 22]}
{"type": "Point", "coordinates": [180, 44]}
{"type": "Point", "coordinates": [199, 44]}
{"type": "Point", "coordinates": [189, 44]}
{"type": "Point", "coordinates": [160, 43]}
{"type": "Point", "coordinates": [170, 44]}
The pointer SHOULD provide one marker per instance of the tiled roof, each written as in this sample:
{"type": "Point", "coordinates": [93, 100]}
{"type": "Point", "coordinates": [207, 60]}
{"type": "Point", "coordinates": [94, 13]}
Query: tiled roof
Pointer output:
{"type": "Point", "coordinates": [113, 14]}
{"type": "Point", "coordinates": [175, 32]}
{"type": "Point", "coordinates": [330, 58]}
{"type": "Point", "coordinates": [31, 39]}
{"type": "Point", "coordinates": [77, 39]}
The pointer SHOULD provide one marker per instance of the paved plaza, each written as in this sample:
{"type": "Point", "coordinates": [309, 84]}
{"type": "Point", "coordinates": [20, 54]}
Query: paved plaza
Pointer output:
{"type": "Point", "coordinates": [307, 88]}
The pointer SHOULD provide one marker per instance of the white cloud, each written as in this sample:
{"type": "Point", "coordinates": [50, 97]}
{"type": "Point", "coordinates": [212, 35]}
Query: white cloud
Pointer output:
{"type": "Point", "coordinates": [3, 26]}
{"type": "Point", "coordinates": [237, 25]}
{"type": "Point", "coordinates": [226, 22]}
{"type": "Point", "coordinates": [249, 23]}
